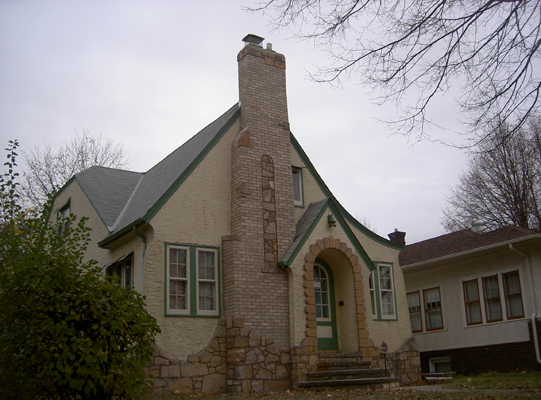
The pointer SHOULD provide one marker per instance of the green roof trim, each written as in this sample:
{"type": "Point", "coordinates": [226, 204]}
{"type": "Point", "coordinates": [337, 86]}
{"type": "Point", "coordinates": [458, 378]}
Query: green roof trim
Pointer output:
{"type": "Point", "coordinates": [308, 222]}
{"type": "Point", "coordinates": [343, 212]}
{"type": "Point", "coordinates": [145, 215]}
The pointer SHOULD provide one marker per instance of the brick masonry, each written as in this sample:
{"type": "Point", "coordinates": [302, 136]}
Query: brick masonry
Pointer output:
{"type": "Point", "coordinates": [262, 217]}
{"type": "Point", "coordinates": [506, 357]}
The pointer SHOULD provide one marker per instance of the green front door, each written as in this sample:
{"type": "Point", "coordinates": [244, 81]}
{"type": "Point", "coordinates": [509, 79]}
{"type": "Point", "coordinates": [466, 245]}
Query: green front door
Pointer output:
{"type": "Point", "coordinates": [325, 308]}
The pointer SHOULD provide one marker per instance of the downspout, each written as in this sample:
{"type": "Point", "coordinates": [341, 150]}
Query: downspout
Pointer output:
{"type": "Point", "coordinates": [534, 314]}
{"type": "Point", "coordinates": [143, 249]}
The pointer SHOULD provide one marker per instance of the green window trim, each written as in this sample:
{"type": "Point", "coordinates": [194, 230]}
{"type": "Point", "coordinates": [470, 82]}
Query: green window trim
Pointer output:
{"type": "Point", "coordinates": [390, 290]}
{"type": "Point", "coordinates": [124, 269]}
{"type": "Point", "coordinates": [193, 282]}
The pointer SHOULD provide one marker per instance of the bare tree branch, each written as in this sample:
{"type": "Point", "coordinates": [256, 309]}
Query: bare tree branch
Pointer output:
{"type": "Point", "coordinates": [424, 47]}
{"type": "Point", "coordinates": [47, 170]}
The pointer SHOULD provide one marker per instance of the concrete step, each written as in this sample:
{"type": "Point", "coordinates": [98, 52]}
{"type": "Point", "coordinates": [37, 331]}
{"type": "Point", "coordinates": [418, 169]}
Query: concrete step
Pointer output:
{"type": "Point", "coordinates": [373, 383]}
{"type": "Point", "coordinates": [342, 361]}
{"type": "Point", "coordinates": [345, 374]}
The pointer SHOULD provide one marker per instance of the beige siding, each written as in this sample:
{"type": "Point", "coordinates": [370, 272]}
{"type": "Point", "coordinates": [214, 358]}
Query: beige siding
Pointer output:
{"type": "Point", "coordinates": [456, 333]}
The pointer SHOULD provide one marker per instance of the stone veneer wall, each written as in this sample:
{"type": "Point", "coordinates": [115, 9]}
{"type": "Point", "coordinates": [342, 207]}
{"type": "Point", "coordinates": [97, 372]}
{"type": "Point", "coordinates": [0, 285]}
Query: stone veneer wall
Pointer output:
{"type": "Point", "coordinates": [236, 359]}
{"type": "Point", "coordinates": [404, 363]}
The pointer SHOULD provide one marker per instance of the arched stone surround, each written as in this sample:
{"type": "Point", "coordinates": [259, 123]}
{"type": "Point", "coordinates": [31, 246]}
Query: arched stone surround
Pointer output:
{"type": "Point", "coordinates": [365, 344]}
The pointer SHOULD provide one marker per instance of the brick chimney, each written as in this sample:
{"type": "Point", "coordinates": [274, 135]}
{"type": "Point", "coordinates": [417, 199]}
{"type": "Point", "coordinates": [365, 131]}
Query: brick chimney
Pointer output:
{"type": "Point", "coordinates": [398, 237]}
{"type": "Point", "coordinates": [262, 205]}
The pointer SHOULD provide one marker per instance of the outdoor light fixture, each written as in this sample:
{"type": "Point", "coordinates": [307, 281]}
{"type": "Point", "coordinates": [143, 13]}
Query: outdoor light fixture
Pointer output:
{"type": "Point", "coordinates": [331, 220]}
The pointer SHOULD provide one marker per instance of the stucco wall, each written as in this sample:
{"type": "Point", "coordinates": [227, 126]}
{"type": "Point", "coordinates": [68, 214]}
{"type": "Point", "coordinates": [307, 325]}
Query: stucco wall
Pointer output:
{"type": "Point", "coordinates": [456, 333]}
{"type": "Point", "coordinates": [81, 206]}
{"type": "Point", "coordinates": [198, 213]}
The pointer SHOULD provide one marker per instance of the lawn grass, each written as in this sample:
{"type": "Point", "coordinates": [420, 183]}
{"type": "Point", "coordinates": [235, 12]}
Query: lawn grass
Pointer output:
{"type": "Point", "coordinates": [490, 386]}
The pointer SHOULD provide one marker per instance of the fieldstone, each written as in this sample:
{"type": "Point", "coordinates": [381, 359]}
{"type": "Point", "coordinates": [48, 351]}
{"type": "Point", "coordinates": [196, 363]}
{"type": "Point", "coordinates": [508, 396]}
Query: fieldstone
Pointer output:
{"type": "Point", "coordinates": [214, 383]}
{"type": "Point", "coordinates": [181, 385]}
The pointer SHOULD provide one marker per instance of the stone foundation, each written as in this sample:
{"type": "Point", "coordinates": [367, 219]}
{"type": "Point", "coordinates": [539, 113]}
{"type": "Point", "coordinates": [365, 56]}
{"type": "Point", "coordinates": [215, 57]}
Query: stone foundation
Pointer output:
{"type": "Point", "coordinates": [236, 359]}
{"type": "Point", "coordinates": [404, 363]}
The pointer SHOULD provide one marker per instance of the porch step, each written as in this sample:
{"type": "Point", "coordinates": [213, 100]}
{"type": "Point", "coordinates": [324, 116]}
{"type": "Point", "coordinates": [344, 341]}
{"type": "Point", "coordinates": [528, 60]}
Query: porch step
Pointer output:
{"type": "Point", "coordinates": [347, 369]}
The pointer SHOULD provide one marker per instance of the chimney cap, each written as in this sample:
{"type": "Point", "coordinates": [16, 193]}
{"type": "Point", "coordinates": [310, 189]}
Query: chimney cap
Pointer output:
{"type": "Point", "coordinates": [253, 39]}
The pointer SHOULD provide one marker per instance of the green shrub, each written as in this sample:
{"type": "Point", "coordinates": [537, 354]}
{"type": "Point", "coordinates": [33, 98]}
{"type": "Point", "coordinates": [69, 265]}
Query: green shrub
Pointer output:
{"type": "Point", "coordinates": [65, 333]}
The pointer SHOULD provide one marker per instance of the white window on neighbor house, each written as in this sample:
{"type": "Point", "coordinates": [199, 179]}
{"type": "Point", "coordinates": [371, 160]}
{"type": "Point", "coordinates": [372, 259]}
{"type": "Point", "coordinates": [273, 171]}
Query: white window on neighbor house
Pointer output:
{"type": "Point", "coordinates": [493, 305]}
{"type": "Point", "coordinates": [472, 302]}
{"type": "Point", "coordinates": [432, 305]}
{"type": "Point", "coordinates": [414, 306]}
{"type": "Point", "coordinates": [123, 269]}
{"type": "Point", "coordinates": [513, 295]}
{"type": "Point", "coordinates": [386, 291]}
{"type": "Point", "coordinates": [192, 277]}
{"type": "Point", "coordinates": [439, 364]}
{"type": "Point", "coordinates": [297, 187]}
{"type": "Point", "coordinates": [493, 298]}
{"type": "Point", "coordinates": [62, 219]}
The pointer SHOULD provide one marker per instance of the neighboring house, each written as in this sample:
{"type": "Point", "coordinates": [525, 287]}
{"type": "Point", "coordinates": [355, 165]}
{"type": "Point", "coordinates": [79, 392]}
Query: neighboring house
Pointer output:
{"type": "Point", "coordinates": [249, 264]}
{"type": "Point", "coordinates": [473, 297]}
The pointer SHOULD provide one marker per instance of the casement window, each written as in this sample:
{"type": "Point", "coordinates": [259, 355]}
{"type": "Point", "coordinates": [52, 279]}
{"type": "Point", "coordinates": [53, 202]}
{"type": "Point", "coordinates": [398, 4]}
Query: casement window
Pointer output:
{"type": "Point", "coordinates": [62, 219]}
{"type": "Point", "coordinates": [513, 295]}
{"type": "Point", "coordinates": [433, 314]}
{"type": "Point", "coordinates": [192, 281]}
{"type": "Point", "coordinates": [414, 306]}
{"type": "Point", "coordinates": [486, 297]}
{"type": "Point", "coordinates": [382, 292]}
{"type": "Point", "coordinates": [123, 268]}
{"type": "Point", "coordinates": [297, 187]}
{"type": "Point", "coordinates": [472, 302]}
{"type": "Point", "coordinates": [493, 305]}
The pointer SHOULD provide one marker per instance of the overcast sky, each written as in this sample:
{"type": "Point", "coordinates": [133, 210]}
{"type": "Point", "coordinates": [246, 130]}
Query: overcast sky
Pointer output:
{"type": "Point", "coordinates": [152, 73]}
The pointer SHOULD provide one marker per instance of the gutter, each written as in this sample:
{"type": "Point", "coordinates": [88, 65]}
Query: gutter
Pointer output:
{"type": "Point", "coordinates": [534, 314]}
{"type": "Point", "coordinates": [143, 249]}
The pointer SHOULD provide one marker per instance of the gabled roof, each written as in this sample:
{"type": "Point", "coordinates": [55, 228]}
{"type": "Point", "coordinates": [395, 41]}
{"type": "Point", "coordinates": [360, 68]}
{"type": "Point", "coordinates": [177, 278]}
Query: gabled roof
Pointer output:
{"type": "Point", "coordinates": [326, 191]}
{"type": "Point", "coordinates": [308, 222]}
{"type": "Point", "coordinates": [460, 242]}
{"type": "Point", "coordinates": [125, 199]}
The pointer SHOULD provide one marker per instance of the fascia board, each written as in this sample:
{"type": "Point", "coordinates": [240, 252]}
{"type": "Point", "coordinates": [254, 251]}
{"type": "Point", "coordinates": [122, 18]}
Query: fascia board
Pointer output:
{"type": "Point", "coordinates": [451, 257]}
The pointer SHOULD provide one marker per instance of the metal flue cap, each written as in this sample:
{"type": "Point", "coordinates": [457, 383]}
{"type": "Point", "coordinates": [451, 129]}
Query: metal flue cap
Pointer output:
{"type": "Point", "coordinates": [253, 39]}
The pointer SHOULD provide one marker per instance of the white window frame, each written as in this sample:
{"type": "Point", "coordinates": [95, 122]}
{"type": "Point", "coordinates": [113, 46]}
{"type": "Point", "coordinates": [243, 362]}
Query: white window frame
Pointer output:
{"type": "Point", "coordinates": [176, 311]}
{"type": "Point", "coordinates": [433, 308]}
{"type": "Point", "coordinates": [112, 270]}
{"type": "Point", "coordinates": [391, 290]}
{"type": "Point", "coordinates": [373, 302]}
{"type": "Point", "coordinates": [297, 176]}
{"type": "Point", "coordinates": [479, 277]}
{"type": "Point", "coordinates": [215, 281]}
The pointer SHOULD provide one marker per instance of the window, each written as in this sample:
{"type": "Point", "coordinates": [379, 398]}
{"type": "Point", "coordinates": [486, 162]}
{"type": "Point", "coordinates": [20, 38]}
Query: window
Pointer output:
{"type": "Point", "coordinates": [472, 302]}
{"type": "Point", "coordinates": [386, 291]}
{"type": "Point", "coordinates": [322, 295]}
{"type": "Point", "coordinates": [123, 268]}
{"type": "Point", "coordinates": [493, 305]}
{"type": "Point", "coordinates": [297, 187]}
{"type": "Point", "coordinates": [426, 315]}
{"type": "Point", "coordinates": [488, 290]}
{"type": "Point", "coordinates": [192, 278]}
{"type": "Point", "coordinates": [372, 293]}
{"type": "Point", "coordinates": [62, 219]}
{"type": "Point", "coordinates": [381, 285]}
{"type": "Point", "coordinates": [414, 306]}
{"type": "Point", "coordinates": [433, 315]}
{"type": "Point", "coordinates": [513, 295]}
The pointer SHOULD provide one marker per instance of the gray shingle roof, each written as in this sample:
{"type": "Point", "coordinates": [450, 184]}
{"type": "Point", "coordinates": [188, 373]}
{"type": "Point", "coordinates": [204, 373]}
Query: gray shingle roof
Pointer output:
{"type": "Point", "coordinates": [124, 198]}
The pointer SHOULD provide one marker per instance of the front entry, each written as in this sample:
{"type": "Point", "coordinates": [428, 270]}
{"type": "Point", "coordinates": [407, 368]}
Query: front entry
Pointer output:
{"type": "Point", "coordinates": [327, 338]}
